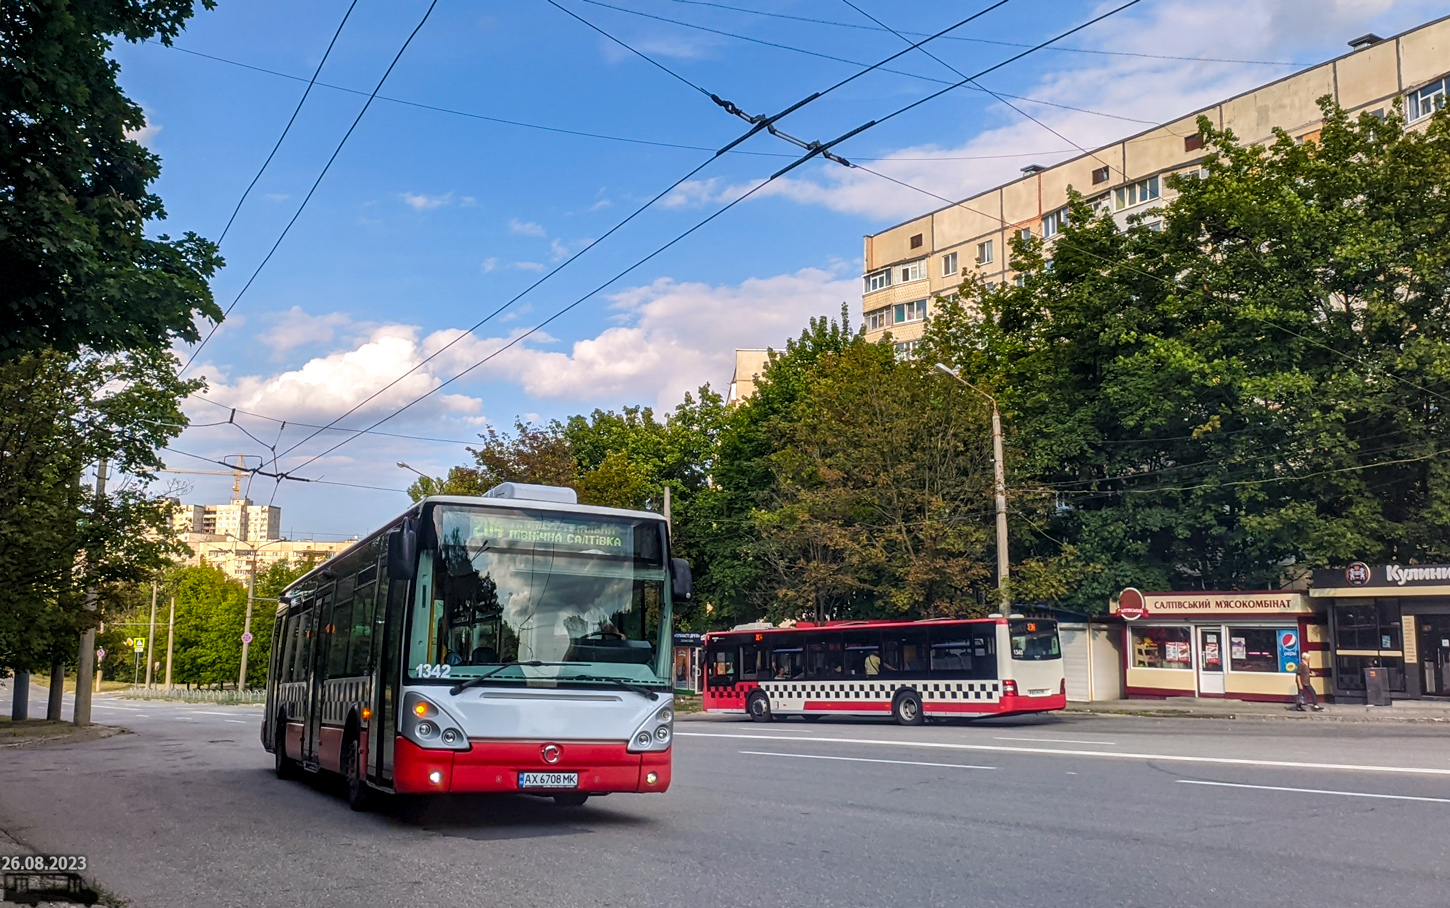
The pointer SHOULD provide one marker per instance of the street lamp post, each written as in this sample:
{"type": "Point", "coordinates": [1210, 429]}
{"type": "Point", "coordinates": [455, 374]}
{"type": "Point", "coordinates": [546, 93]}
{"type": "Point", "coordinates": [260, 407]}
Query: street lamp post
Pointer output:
{"type": "Point", "coordinates": [1000, 483]}
{"type": "Point", "coordinates": [413, 469]}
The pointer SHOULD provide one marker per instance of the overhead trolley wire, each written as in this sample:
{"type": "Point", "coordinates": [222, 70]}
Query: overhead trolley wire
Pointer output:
{"type": "Point", "coordinates": [816, 149]}
{"type": "Point", "coordinates": [758, 124]}
{"type": "Point", "coordinates": [290, 120]}
{"type": "Point", "coordinates": [338, 150]}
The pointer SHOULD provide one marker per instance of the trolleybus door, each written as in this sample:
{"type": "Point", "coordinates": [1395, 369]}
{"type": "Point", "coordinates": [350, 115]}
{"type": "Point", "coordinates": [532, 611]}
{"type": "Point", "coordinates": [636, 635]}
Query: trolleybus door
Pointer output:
{"type": "Point", "coordinates": [321, 621]}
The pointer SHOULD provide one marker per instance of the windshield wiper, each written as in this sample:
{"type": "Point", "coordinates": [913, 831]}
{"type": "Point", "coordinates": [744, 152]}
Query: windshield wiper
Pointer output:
{"type": "Point", "coordinates": [461, 686]}
{"type": "Point", "coordinates": [617, 682]}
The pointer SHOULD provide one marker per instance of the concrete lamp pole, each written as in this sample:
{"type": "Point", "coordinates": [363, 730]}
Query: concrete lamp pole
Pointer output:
{"type": "Point", "coordinates": [251, 596]}
{"type": "Point", "coordinates": [1000, 484]}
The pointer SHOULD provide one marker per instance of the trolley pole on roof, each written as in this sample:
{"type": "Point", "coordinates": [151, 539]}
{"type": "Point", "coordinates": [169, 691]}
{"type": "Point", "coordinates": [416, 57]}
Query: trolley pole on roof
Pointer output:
{"type": "Point", "coordinates": [999, 482]}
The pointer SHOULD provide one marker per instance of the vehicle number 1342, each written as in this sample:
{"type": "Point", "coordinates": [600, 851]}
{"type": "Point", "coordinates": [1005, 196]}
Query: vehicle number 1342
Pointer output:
{"type": "Point", "coordinates": [425, 670]}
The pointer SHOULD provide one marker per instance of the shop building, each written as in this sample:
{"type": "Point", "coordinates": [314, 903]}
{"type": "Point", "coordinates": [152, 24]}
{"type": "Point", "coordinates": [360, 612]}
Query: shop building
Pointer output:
{"type": "Point", "coordinates": [1393, 617]}
{"type": "Point", "coordinates": [1234, 645]}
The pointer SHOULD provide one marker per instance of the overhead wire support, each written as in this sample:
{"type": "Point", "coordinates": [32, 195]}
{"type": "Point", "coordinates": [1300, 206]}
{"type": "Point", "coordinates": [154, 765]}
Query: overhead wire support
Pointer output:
{"type": "Point", "coordinates": [758, 124]}
{"type": "Point", "coordinates": [325, 168]}
{"type": "Point", "coordinates": [817, 149]}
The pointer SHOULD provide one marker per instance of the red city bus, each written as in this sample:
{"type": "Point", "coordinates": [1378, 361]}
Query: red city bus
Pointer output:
{"type": "Point", "coordinates": [909, 670]}
{"type": "Point", "coordinates": [514, 642]}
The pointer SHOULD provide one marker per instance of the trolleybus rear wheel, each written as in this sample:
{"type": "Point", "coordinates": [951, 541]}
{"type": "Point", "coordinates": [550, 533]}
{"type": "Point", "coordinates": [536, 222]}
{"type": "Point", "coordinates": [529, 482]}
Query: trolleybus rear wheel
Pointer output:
{"type": "Point", "coordinates": [906, 708]}
{"type": "Point", "coordinates": [286, 768]}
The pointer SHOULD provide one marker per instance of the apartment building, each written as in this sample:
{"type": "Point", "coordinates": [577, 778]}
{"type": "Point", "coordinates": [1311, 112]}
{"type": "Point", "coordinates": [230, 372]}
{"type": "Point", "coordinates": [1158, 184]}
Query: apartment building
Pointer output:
{"type": "Point", "coordinates": [238, 559]}
{"type": "Point", "coordinates": [749, 364]}
{"type": "Point", "coordinates": [239, 518]}
{"type": "Point", "coordinates": [909, 265]}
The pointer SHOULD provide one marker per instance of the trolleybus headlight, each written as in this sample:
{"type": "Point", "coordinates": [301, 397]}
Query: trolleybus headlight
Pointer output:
{"type": "Point", "coordinates": [662, 734]}
{"type": "Point", "coordinates": [425, 729]}
{"type": "Point", "coordinates": [665, 715]}
{"type": "Point", "coordinates": [643, 739]}
{"type": "Point", "coordinates": [423, 708]}
{"type": "Point", "coordinates": [450, 736]}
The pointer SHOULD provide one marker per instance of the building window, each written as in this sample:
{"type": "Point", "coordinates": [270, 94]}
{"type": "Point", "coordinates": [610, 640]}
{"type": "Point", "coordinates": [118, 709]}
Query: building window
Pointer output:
{"type": "Point", "coordinates": [1349, 671]}
{"type": "Point", "coordinates": [1367, 626]}
{"type": "Point", "coordinates": [1137, 193]}
{"type": "Point", "coordinates": [1425, 101]}
{"type": "Point", "coordinates": [1163, 647]}
{"type": "Point", "coordinates": [905, 349]}
{"type": "Point", "coordinates": [916, 241]}
{"type": "Point", "coordinates": [1254, 649]}
{"type": "Point", "coordinates": [913, 311]}
{"type": "Point", "coordinates": [1101, 175]}
{"type": "Point", "coordinates": [985, 253]}
{"type": "Point", "coordinates": [1053, 223]}
{"type": "Point", "coordinates": [991, 285]}
{"type": "Point", "coordinates": [949, 265]}
{"type": "Point", "coordinates": [913, 271]}
{"type": "Point", "coordinates": [1019, 281]}
{"type": "Point", "coordinates": [1101, 204]}
{"type": "Point", "coordinates": [1025, 233]}
{"type": "Point", "coordinates": [1193, 142]}
{"type": "Point", "coordinates": [878, 280]}
{"type": "Point", "coordinates": [877, 319]}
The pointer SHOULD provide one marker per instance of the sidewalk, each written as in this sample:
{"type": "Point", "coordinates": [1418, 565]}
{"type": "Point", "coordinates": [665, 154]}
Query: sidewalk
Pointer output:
{"type": "Point", "coordinates": [1427, 711]}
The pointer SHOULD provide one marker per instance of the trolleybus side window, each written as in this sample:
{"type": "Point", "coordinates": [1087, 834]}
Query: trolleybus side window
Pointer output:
{"type": "Point", "coordinates": [339, 627]}
{"type": "Point", "coordinates": [359, 650]}
{"type": "Point", "coordinates": [860, 647]}
{"type": "Point", "coordinates": [755, 662]}
{"type": "Point", "coordinates": [965, 651]}
{"type": "Point", "coordinates": [722, 666]}
{"type": "Point", "coordinates": [824, 658]}
{"type": "Point", "coordinates": [905, 650]}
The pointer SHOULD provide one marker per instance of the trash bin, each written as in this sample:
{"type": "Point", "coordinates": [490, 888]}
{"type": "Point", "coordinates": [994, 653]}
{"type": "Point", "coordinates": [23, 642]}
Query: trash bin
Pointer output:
{"type": "Point", "coordinates": [1377, 686]}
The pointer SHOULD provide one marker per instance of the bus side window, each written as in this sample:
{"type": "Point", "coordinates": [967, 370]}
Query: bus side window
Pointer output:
{"type": "Point", "coordinates": [339, 628]}
{"type": "Point", "coordinates": [905, 651]}
{"type": "Point", "coordinates": [286, 646]}
{"type": "Point", "coordinates": [824, 659]}
{"type": "Point", "coordinates": [302, 657]}
{"type": "Point", "coordinates": [984, 651]}
{"type": "Point", "coordinates": [359, 651]}
{"type": "Point", "coordinates": [951, 653]}
{"type": "Point", "coordinates": [722, 667]}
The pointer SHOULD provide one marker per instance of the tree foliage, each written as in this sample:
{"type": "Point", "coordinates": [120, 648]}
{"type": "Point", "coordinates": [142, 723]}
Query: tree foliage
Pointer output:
{"type": "Point", "coordinates": [79, 271]}
{"type": "Point", "coordinates": [1254, 388]}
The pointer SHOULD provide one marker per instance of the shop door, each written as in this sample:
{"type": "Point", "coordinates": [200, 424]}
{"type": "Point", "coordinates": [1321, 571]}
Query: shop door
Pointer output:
{"type": "Point", "coordinates": [1435, 653]}
{"type": "Point", "coordinates": [1210, 661]}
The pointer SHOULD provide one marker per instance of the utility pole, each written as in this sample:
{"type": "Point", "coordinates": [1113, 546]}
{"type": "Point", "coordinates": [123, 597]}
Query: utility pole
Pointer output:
{"type": "Point", "coordinates": [20, 702]}
{"type": "Point", "coordinates": [247, 627]}
{"type": "Point", "coordinates": [86, 667]}
{"type": "Point", "coordinates": [55, 704]}
{"type": "Point", "coordinates": [667, 506]}
{"type": "Point", "coordinates": [170, 638]}
{"type": "Point", "coordinates": [151, 637]}
{"type": "Point", "coordinates": [999, 482]}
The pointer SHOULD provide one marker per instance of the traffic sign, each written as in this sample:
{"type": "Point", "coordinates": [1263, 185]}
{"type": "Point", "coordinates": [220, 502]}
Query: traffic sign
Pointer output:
{"type": "Point", "coordinates": [100, 654]}
{"type": "Point", "coordinates": [140, 644]}
{"type": "Point", "coordinates": [247, 637]}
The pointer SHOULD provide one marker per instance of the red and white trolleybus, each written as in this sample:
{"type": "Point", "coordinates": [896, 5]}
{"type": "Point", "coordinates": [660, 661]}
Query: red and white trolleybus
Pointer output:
{"type": "Point", "coordinates": [517, 641]}
{"type": "Point", "coordinates": [910, 670]}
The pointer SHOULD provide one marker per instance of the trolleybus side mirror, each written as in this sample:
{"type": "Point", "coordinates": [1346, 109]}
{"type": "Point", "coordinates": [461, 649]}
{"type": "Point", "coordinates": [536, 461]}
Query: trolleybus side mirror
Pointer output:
{"type": "Point", "coordinates": [683, 583]}
{"type": "Point", "coordinates": [402, 553]}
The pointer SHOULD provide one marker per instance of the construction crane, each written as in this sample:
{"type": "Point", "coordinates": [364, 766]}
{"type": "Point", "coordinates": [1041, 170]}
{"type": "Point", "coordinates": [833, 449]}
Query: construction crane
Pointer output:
{"type": "Point", "coordinates": [237, 473]}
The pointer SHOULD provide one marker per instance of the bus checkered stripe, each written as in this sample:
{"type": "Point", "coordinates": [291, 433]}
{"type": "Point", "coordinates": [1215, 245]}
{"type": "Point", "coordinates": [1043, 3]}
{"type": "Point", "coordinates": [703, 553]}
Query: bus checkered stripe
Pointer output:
{"type": "Point", "coordinates": [778, 691]}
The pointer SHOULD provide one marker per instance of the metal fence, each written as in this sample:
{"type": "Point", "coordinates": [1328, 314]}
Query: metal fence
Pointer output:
{"type": "Point", "coordinates": [195, 695]}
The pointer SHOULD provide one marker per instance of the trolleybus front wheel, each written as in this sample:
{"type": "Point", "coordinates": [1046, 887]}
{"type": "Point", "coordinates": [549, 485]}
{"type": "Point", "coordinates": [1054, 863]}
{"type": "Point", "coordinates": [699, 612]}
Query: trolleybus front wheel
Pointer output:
{"type": "Point", "coordinates": [359, 795]}
{"type": "Point", "coordinates": [758, 706]}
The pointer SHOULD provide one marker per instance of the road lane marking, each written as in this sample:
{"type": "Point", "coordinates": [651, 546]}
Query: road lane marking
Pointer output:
{"type": "Point", "coordinates": [1104, 754]}
{"type": "Point", "coordinates": [1317, 791]}
{"type": "Point", "coordinates": [235, 721]}
{"type": "Point", "coordinates": [202, 712]}
{"type": "Point", "coordinates": [767, 753]}
{"type": "Point", "coordinates": [1058, 741]}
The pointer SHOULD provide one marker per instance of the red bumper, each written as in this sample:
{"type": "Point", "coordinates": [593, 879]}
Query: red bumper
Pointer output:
{"type": "Point", "coordinates": [494, 766]}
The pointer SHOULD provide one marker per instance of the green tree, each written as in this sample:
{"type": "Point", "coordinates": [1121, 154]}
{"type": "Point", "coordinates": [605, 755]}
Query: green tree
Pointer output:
{"type": "Point", "coordinates": [80, 271]}
{"type": "Point", "coordinates": [58, 541]}
{"type": "Point", "coordinates": [210, 613]}
{"type": "Point", "coordinates": [1254, 388]}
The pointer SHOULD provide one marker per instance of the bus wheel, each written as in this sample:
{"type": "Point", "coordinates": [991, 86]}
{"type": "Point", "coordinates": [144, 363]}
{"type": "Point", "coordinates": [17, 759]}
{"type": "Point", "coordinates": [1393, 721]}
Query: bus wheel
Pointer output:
{"type": "Point", "coordinates": [359, 795]}
{"type": "Point", "coordinates": [286, 769]}
{"type": "Point", "coordinates": [758, 706]}
{"type": "Point", "coordinates": [906, 708]}
{"type": "Point", "coordinates": [571, 800]}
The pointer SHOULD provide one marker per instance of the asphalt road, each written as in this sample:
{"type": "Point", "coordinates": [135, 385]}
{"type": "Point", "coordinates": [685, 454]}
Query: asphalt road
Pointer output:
{"type": "Point", "coordinates": [1081, 811]}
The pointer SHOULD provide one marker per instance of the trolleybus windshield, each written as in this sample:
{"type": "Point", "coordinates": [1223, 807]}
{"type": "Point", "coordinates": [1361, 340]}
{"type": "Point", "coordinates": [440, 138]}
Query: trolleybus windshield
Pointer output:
{"type": "Point", "coordinates": [540, 598]}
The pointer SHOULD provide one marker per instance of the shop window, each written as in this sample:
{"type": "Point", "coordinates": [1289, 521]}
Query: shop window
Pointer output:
{"type": "Point", "coordinates": [1162, 647]}
{"type": "Point", "coordinates": [1368, 625]}
{"type": "Point", "coordinates": [1349, 672]}
{"type": "Point", "coordinates": [1253, 649]}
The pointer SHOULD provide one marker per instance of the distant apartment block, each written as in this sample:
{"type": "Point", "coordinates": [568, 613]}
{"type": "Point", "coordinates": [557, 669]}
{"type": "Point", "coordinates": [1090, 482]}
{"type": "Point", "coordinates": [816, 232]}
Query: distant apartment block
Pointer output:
{"type": "Point", "coordinates": [749, 365]}
{"type": "Point", "coordinates": [240, 518]}
{"type": "Point", "coordinates": [909, 265]}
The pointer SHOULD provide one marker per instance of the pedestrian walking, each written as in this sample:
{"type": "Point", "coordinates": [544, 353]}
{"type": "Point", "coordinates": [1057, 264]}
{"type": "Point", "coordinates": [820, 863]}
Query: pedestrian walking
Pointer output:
{"type": "Point", "coordinates": [1305, 683]}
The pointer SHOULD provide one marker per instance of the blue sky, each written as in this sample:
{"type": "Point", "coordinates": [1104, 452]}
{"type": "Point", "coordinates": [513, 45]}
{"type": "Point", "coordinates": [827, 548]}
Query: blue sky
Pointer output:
{"type": "Point", "coordinates": [428, 220]}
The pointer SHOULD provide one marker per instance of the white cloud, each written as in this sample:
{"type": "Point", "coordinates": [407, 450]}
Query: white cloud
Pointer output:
{"type": "Point", "coordinates": [674, 337]}
{"type": "Point", "coordinates": [295, 328]}
{"type": "Point", "coordinates": [600, 205]}
{"type": "Point", "coordinates": [420, 202]}
{"type": "Point", "coordinates": [146, 133]}
{"type": "Point", "coordinates": [528, 266]}
{"type": "Point", "coordinates": [1142, 88]}
{"type": "Point", "coordinates": [560, 250]}
{"type": "Point", "coordinates": [526, 228]}
{"type": "Point", "coordinates": [489, 264]}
